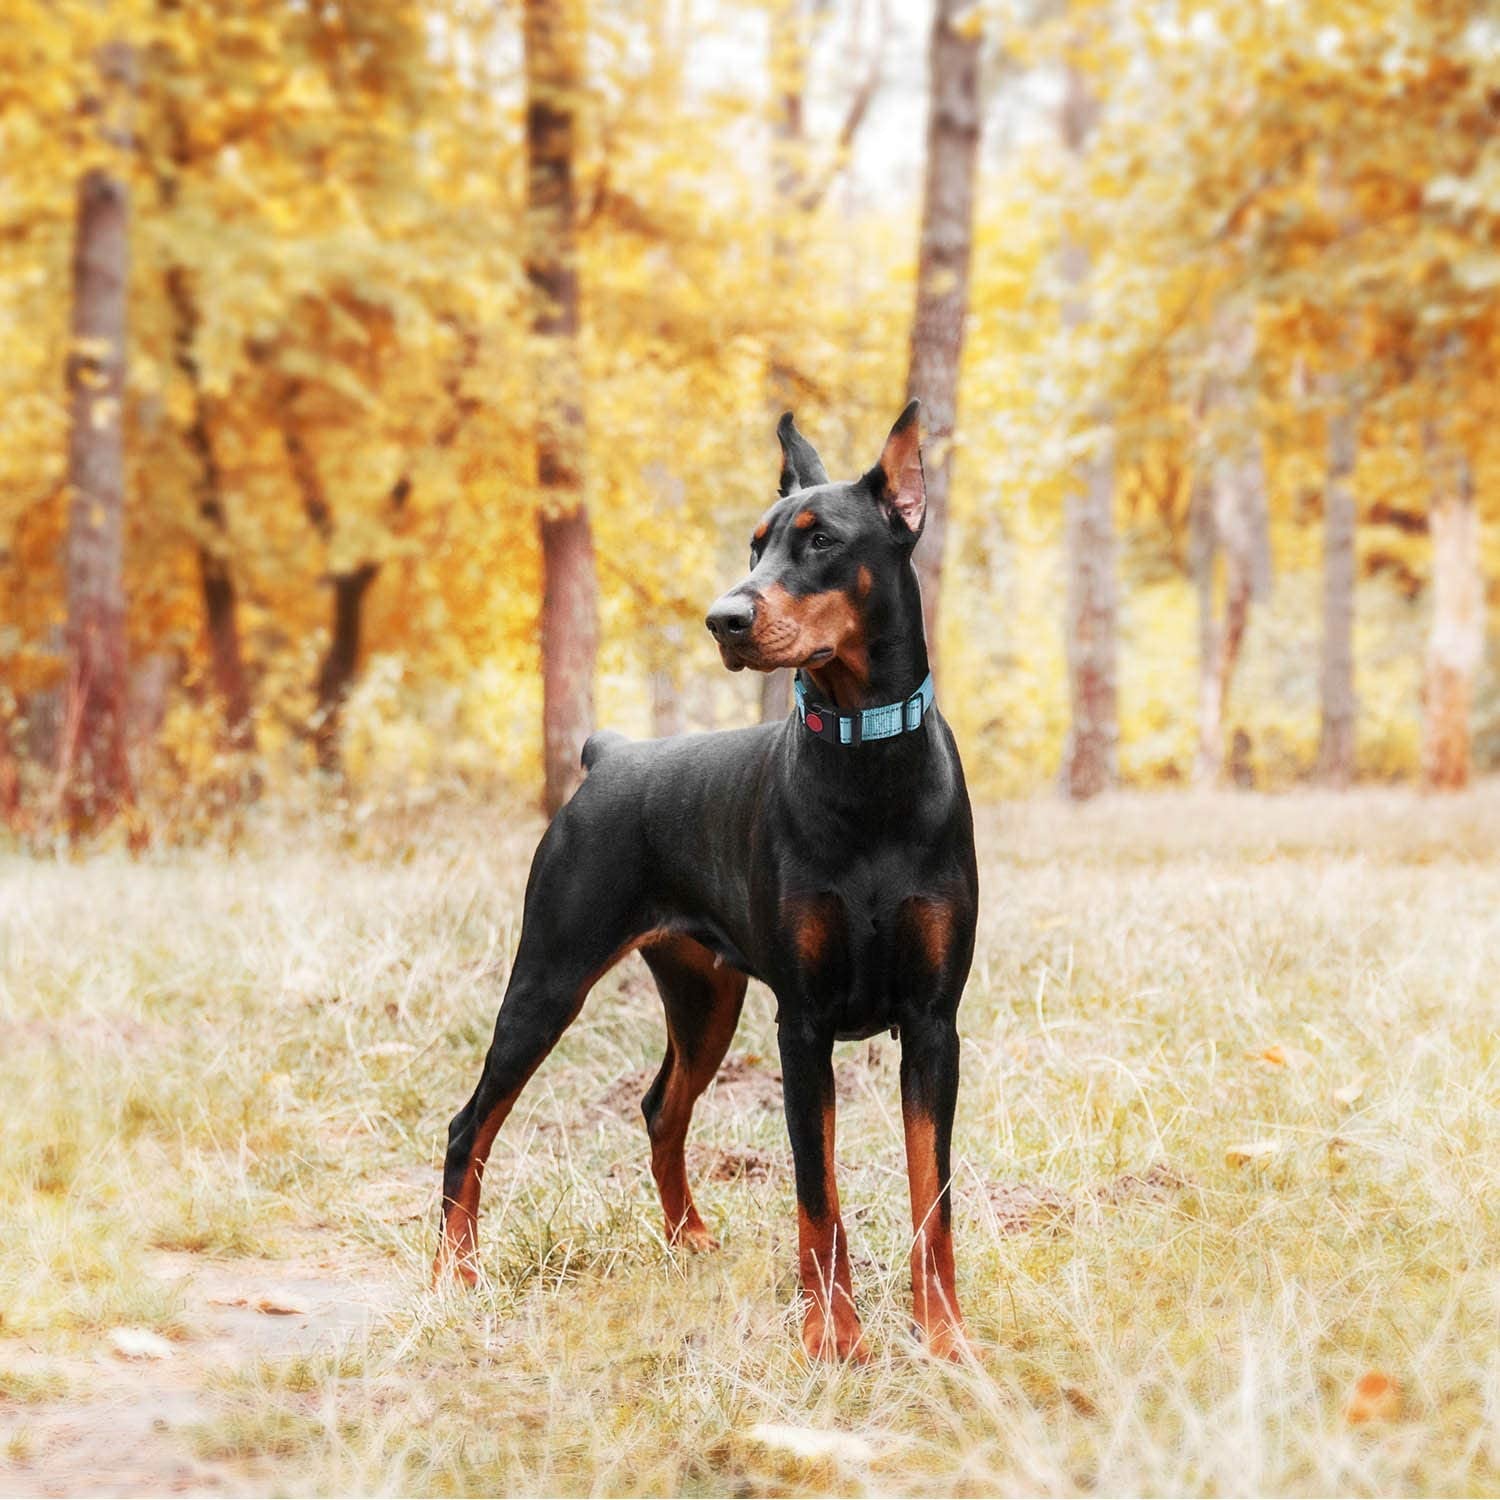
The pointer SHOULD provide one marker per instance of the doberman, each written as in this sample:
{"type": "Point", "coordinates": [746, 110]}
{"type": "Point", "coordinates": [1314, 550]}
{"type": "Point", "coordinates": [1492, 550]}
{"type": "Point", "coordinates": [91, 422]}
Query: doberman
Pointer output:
{"type": "Point", "coordinates": [830, 856]}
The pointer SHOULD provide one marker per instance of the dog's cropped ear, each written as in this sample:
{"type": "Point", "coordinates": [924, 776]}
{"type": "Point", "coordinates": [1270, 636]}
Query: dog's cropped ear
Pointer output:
{"type": "Point", "coordinates": [897, 480]}
{"type": "Point", "coordinates": [801, 468]}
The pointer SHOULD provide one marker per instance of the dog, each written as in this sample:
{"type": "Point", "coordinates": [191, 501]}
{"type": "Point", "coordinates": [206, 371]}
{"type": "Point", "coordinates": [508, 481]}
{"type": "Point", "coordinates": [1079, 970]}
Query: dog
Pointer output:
{"type": "Point", "coordinates": [830, 856]}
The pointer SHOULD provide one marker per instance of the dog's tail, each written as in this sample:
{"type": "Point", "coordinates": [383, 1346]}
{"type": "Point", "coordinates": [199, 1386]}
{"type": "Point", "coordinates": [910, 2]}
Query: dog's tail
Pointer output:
{"type": "Point", "coordinates": [598, 745]}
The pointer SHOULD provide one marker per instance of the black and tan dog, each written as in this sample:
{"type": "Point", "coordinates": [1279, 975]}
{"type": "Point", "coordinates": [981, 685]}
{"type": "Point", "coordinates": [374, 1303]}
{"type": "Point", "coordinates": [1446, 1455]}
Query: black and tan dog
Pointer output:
{"type": "Point", "coordinates": [831, 856]}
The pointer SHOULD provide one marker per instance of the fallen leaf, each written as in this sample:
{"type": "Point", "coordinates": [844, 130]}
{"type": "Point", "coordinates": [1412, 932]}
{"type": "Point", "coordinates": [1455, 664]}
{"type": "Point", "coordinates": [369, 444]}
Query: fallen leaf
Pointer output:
{"type": "Point", "coordinates": [1376, 1398]}
{"type": "Point", "coordinates": [813, 1442]}
{"type": "Point", "coordinates": [139, 1343]}
{"type": "Point", "coordinates": [1249, 1151]}
{"type": "Point", "coordinates": [278, 1305]}
{"type": "Point", "coordinates": [1350, 1092]}
{"type": "Point", "coordinates": [1279, 1055]}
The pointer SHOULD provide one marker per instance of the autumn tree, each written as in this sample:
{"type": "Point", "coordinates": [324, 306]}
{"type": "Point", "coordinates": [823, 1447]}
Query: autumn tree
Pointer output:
{"type": "Point", "coordinates": [172, 161]}
{"type": "Point", "coordinates": [1455, 642]}
{"type": "Point", "coordinates": [947, 237]}
{"type": "Point", "coordinates": [570, 609]}
{"type": "Point", "coordinates": [94, 770]}
{"type": "Point", "coordinates": [1338, 703]}
{"type": "Point", "coordinates": [1089, 762]}
{"type": "Point", "coordinates": [1233, 523]}
{"type": "Point", "coordinates": [802, 173]}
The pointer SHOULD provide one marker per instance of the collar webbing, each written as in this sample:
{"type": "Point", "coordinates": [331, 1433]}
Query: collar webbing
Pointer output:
{"type": "Point", "coordinates": [882, 723]}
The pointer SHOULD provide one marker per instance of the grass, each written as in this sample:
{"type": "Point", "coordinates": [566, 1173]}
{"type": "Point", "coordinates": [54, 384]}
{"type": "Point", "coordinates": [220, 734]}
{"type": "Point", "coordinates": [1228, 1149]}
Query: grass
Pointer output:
{"type": "Point", "coordinates": [1229, 1140]}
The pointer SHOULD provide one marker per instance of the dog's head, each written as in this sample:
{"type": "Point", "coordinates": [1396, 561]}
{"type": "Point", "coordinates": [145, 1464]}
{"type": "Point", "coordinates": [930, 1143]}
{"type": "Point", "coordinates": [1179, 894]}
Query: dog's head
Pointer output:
{"type": "Point", "coordinates": [829, 563]}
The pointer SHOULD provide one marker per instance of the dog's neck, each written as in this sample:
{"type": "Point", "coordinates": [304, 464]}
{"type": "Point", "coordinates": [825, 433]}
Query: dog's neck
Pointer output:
{"type": "Point", "coordinates": [888, 665]}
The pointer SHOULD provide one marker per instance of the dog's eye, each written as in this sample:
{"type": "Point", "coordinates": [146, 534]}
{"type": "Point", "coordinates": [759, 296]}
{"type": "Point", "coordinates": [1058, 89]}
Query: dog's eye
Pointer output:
{"type": "Point", "coordinates": [820, 541]}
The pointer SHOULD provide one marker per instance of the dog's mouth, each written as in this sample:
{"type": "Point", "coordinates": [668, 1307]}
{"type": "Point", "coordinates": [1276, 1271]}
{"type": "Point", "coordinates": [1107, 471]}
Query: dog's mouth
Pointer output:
{"type": "Point", "coordinates": [737, 658]}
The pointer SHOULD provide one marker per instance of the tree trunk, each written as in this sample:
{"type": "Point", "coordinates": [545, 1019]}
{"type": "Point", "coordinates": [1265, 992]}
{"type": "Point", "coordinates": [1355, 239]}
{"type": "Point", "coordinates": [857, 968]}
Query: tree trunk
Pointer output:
{"type": "Point", "coordinates": [1455, 645]}
{"type": "Point", "coordinates": [788, 59]}
{"type": "Point", "coordinates": [1089, 765]}
{"type": "Point", "coordinates": [1340, 706]}
{"type": "Point", "coordinates": [94, 772]}
{"type": "Point", "coordinates": [570, 590]}
{"type": "Point", "coordinates": [10, 781]}
{"type": "Point", "coordinates": [796, 196]}
{"type": "Point", "coordinates": [220, 598]}
{"type": "Point", "coordinates": [1241, 526]}
{"type": "Point", "coordinates": [340, 661]}
{"type": "Point", "coordinates": [937, 330]}
{"type": "Point", "coordinates": [216, 577]}
{"type": "Point", "coordinates": [1203, 550]}
{"type": "Point", "coordinates": [1090, 626]}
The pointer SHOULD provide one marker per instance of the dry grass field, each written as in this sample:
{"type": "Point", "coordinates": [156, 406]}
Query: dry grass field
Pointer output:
{"type": "Point", "coordinates": [1228, 1146]}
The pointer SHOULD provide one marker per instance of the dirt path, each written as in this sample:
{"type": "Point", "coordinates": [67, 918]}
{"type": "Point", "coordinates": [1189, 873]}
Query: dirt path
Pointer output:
{"type": "Point", "coordinates": [126, 1423]}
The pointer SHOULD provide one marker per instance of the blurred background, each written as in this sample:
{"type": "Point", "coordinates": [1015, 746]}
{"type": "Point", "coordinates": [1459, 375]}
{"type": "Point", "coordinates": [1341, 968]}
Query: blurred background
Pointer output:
{"type": "Point", "coordinates": [388, 388]}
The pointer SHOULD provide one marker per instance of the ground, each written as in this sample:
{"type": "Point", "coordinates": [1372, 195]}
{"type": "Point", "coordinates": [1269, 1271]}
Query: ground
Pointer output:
{"type": "Point", "coordinates": [1226, 1186]}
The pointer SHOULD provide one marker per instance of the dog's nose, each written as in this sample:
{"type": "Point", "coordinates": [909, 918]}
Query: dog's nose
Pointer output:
{"type": "Point", "coordinates": [730, 619]}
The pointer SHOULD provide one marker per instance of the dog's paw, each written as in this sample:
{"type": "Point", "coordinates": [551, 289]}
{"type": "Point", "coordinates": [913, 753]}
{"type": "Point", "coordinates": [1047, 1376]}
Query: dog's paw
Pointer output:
{"type": "Point", "coordinates": [834, 1336]}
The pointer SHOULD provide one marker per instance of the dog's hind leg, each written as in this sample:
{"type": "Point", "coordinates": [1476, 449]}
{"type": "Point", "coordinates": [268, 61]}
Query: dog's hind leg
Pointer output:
{"type": "Point", "coordinates": [581, 918]}
{"type": "Point", "coordinates": [703, 998]}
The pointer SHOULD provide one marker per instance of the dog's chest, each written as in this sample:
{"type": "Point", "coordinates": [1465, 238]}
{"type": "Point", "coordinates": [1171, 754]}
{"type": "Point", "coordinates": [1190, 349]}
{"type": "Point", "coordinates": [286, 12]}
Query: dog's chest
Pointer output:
{"type": "Point", "coordinates": [873, 963]}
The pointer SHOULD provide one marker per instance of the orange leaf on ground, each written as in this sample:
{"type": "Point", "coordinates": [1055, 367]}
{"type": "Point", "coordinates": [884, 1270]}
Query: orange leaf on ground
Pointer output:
{"type": "Point", "coordinates": [1376, 1398]}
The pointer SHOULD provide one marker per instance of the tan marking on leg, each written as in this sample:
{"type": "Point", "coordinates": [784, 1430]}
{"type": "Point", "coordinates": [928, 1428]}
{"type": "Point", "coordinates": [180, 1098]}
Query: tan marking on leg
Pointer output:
{"type": "Point", "coordinates": [686, 1080]}
{"type": "Point", "coordinates": [934, 1287]}
{"type": "Point", "coordinates": [830, 1328]}
{"type": "Point", "coordinates": [457, 1254]}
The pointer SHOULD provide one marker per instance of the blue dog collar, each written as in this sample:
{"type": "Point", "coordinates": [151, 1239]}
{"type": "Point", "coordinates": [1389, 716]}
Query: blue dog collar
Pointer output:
{"type": "Point", "coordinates": [883, 723]}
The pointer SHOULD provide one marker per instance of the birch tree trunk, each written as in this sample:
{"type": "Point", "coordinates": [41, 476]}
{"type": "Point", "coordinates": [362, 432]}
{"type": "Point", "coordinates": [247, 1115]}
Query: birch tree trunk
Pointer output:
{"type": "Point", "coordinates": [1090, 625]}
{"type": "Point", "coordinates": [93, 771]}
{"type": "Point", "coordinates": [937, 329]}
{"type": "Point", "coordinates": [1455, 645]}
{"type": "Point", "coordinates": [1340, 706]}
{"type": "Point", "coordinates": [570, 590]}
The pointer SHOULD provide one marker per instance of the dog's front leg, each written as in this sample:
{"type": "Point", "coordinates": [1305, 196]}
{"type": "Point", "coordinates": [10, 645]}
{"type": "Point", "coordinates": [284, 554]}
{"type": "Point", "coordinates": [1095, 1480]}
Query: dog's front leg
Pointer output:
{"type": "Point", "coordinates": [929, 1094]}
{"type": "Point", "coordinates": [831, 1328]}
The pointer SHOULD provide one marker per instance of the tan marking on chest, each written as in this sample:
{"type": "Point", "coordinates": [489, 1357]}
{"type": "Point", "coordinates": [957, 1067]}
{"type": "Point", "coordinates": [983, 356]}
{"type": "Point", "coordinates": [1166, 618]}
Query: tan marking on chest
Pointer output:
{"type": "Point", "coordinates": [933, 924]}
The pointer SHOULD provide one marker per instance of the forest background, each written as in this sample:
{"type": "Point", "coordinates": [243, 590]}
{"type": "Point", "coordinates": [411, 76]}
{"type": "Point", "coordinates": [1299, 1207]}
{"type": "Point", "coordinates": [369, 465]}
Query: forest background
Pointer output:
{"type": "Point", "coordinates": [389, 388]}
